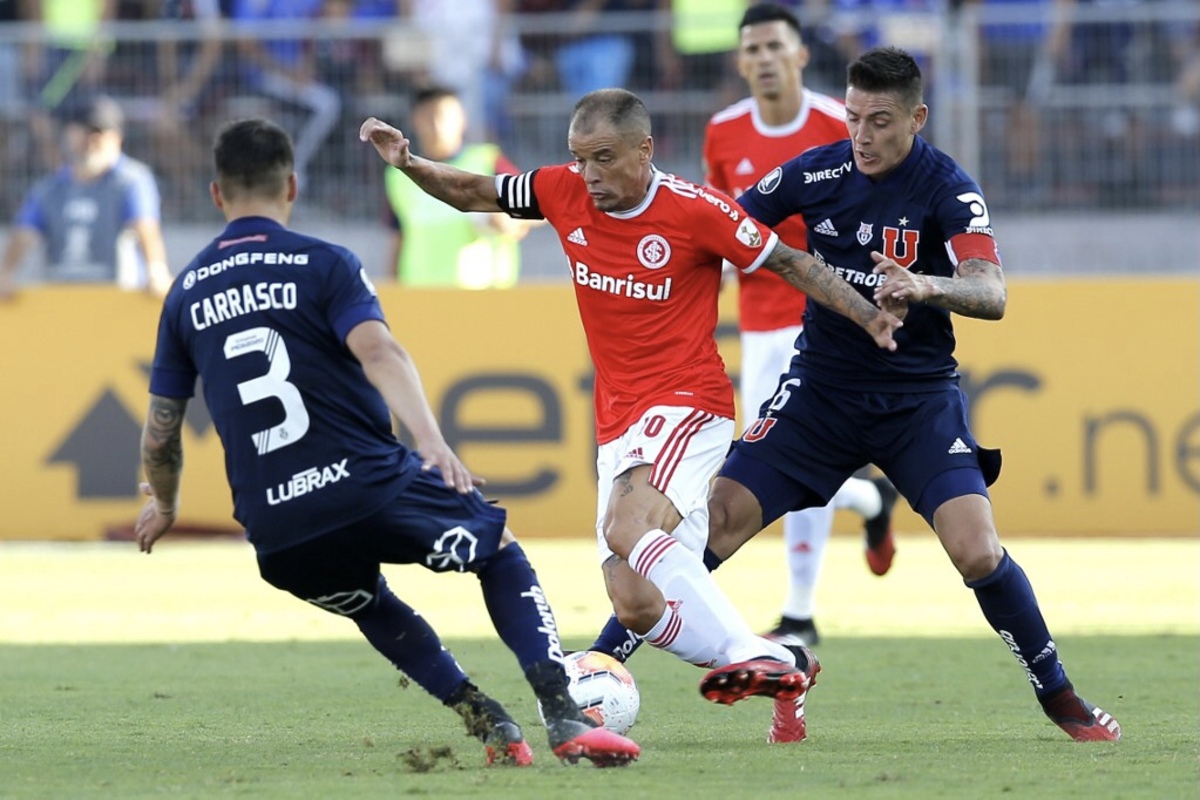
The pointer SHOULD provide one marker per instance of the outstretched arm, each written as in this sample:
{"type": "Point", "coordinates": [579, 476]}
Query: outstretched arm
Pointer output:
{"type": "Point", "coordinates": [466, 191]}
{"type": "Point", "coordinates": [391, 370]}
{"type": "Point", "coordinates": [976, 290]}
{"type": "Point", "coordinates": [162, 461]}
{"type": "Point", "coordinates": [822, 284]}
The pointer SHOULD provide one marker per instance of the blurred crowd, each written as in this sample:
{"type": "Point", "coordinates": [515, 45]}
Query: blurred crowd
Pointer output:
{"type": "Point", "coordinates": [1051, 131]}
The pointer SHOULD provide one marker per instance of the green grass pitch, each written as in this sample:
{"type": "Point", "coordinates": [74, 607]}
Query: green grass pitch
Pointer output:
{"type": "Point", "coordinates": [181, 675]}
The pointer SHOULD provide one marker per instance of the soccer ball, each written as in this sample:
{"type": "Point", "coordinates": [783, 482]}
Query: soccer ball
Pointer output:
{"type": "Point", "coordinates": [604, 689]}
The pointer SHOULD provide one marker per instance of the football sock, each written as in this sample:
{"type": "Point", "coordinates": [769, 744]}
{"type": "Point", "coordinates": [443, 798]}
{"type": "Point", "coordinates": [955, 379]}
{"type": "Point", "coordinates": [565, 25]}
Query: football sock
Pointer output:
{"type": "Point", "coordinates": [549, 682]}
{"type": "Point", "coordinates": [860, 496]}
{"type": "Point", "coordinates": [518, 607]}
{"type": "Point", "coordinates": [805, 536]}
{"type": "Point", "coordinates": [1007, 601]}
{"type": "Point", "coordinates": [700, 625]}
{"type": "Point", "coordinates": [410, 643]}
{"type": "Point", "coordinates": [616, 640]}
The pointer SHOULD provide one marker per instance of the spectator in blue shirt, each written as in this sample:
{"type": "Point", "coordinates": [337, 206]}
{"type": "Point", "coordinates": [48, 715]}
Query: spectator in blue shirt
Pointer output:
{"type": "Point", "coordinates": [98, 215]}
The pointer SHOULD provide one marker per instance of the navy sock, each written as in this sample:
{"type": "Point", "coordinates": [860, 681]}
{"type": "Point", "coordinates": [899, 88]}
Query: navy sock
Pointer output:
{"type": "Point", "coordinates": [1007, 601]}
{"type": "Point", "coordinates": [518, 607]}
{"type": "Point", "coordinates": [616, 640]}
{"type": "Point", "coordinates": [408, 641]}
{"type": "Point", "coordinates": [711, 560]}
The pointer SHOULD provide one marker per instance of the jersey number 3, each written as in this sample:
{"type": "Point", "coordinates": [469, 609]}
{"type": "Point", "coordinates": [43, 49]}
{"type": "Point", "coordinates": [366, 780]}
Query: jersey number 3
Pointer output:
{"type": "Point", "coordinates": [273, 384]}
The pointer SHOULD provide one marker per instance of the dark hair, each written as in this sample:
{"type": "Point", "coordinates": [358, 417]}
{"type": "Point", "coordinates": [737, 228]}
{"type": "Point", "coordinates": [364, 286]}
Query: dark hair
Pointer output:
{"type": "Point", "coordinates": [429, 94]}
{"type": "Point", "coordinates": [771, 12]}
{"type": "Point", "coordinates": [253, 156]}
{"type": "Point", "coordinates": [887, 70]}
{"type": "Point", "coordinates": [94, 112]}
{"type": "Point", "coordinates": [622, 109]}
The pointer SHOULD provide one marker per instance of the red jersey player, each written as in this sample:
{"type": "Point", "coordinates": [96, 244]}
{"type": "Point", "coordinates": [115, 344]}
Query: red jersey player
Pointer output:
{"type": "Point", "coordinates": [780, 120]}
{"type": "Point", "coordinates": [645, 251]}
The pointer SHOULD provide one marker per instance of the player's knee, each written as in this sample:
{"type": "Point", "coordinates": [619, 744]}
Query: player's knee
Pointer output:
{"type": "Point", "coordinates": [619, 537]}
{"type": "Point", "coordinates": [728, 525]}
{"type": "Point", "coordinates": [977, 562]}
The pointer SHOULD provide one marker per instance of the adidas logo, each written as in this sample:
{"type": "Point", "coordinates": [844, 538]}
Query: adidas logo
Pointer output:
{"type": "Point", "coordinates": [826, 228]}
{"type": "Point", "coordinates": [958, 447]}
{"type": "Point", "coordinates": [635, 454]}
{"type": "Point", "coordinates": [1047, 652]}
{"type": "Point", "coordinates": [576, 237]}
{"type": "Point", "coordinates": [744, 167]}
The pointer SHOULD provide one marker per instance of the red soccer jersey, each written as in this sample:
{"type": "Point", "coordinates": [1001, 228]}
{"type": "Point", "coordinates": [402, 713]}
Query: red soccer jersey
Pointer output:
{"type": "Point", "coordinates": [646, 281]}
{"type": "Point", "coordinates": [739, 149]}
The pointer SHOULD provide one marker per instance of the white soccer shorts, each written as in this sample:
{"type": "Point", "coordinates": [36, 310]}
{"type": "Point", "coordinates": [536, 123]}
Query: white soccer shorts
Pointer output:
{"type": "Point", "coordinates": [687, 447]}
{"type": "Point", "coordinates": [765, 357]}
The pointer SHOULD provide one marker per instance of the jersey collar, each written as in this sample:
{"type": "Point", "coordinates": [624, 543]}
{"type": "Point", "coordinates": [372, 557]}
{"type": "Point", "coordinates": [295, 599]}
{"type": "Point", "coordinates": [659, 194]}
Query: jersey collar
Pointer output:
{"type": "Point", "coordinates": [786, 129]}
{"type": "Point", "coordinates": [247, 225]}
{"type": "Point", "coordinates": [656, 178]}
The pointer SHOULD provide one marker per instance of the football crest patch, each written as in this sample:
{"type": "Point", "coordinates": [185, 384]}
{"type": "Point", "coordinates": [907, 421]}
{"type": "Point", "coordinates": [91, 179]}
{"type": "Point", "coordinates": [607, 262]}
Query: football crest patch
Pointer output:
{"type": "Point", "coordinates": [747, 234]}
{"type": "Point", "coordinates": [653, 251]}
{"type": "Point", "coordinates": [770, 181]}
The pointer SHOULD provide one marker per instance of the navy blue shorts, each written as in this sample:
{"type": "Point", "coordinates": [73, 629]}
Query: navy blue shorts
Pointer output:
{"type": "Point", "coordinates": [427, 523]}
{"type": "Point", "coordinates": [815, 437]}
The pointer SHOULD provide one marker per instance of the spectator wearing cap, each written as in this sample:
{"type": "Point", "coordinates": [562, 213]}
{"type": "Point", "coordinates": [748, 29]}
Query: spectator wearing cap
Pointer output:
{"type": "Point", "coordinates": [97, 216]}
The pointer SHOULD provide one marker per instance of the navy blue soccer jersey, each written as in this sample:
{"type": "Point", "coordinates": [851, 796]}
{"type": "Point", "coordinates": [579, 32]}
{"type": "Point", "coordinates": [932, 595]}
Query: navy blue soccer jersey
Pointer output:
{"type": "Point", "coordinates": [261, 316]}
{"type": "Point", "coordinates": [916, 215]}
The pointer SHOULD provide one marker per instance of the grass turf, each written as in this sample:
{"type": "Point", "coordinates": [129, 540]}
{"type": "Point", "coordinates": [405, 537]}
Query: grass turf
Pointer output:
{"type": "Point", "coordinates": [891, 718]}
{"type": "Point", "coordinates": [259, 695]}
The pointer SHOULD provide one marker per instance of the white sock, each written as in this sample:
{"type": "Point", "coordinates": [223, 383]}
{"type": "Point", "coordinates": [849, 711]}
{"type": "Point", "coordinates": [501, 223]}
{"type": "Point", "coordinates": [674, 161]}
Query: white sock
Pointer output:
{"type": "Point", "coordinates": [700, 625]}
{"type": "Point", "coordinates": [805, 535]}
{"type": "Point", "coordinates": [858, 495]}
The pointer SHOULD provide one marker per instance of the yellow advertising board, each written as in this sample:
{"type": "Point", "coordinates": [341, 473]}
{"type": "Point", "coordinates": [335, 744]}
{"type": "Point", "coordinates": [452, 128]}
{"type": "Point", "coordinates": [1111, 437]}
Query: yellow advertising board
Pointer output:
{"type": "Point", "coordinates": [1091, 388]}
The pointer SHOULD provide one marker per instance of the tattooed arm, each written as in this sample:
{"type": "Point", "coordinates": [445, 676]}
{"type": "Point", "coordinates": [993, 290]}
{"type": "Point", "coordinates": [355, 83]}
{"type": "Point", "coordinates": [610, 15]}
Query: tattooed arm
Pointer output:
{"type": "Point", "coordinates": [976, 290]}
{"type": "Point", "coordinates": [822, 284]}
{"type": "Point", "coordinates": [466, 191]}
{"type": "Point", "coordinates": [162, 461]}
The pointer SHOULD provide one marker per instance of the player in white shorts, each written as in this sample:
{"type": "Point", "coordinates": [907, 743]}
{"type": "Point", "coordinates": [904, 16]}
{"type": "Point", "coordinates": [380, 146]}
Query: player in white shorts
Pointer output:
{"type": "Point", "coordinates": [644, 251]}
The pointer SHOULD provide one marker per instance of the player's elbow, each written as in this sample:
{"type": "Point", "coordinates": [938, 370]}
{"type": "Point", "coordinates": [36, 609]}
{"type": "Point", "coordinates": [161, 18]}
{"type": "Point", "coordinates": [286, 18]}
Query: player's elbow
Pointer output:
{"type": "Point", "coordinates": [999, 306]}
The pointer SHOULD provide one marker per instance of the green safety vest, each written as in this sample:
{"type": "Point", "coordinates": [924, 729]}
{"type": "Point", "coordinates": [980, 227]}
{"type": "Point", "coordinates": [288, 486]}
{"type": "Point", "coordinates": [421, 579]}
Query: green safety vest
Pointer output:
{"type": "Point", "coordinates": [705, 26]}
{"type": "Point", "coordinates": [444, 246]}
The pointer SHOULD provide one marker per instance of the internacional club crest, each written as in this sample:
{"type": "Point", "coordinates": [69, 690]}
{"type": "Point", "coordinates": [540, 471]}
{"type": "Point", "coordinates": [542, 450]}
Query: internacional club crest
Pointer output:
{"type": "Point", "coordinates": [653, 251]}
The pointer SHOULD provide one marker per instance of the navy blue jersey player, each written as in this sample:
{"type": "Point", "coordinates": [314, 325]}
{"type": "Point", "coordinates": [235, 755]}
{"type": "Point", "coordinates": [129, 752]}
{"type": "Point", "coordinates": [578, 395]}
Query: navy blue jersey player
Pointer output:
{"type": "Point", "coordinates": [300, 373]}
{"type": "Point", "coordinates": [903, 223]}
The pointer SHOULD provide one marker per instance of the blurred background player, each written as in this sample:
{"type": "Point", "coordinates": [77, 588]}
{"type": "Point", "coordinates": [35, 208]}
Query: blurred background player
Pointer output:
{"type": "Point", "coordinates": [299, 372]}
{"type": "Point", "coordinates": [663, 402]}
{"type": "Point", "coordinates": [98, 215]}
{"type": "Point", "coordinates": [434, 244]}
{"type": "Point", "coordinates": [743, 143]}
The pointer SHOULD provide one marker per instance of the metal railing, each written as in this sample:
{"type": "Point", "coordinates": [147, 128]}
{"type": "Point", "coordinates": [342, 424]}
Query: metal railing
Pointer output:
{"type": "Point", "coordinates": [1111, 121]}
